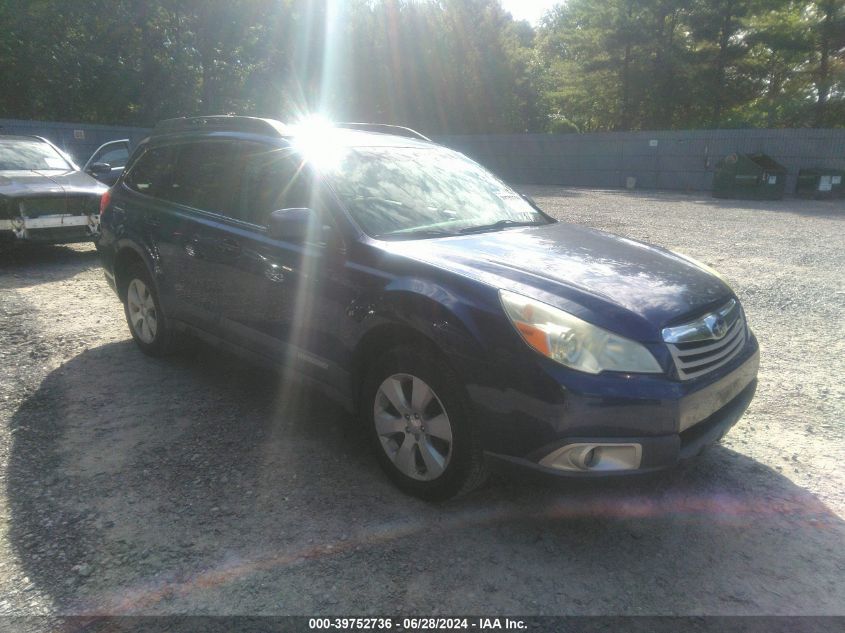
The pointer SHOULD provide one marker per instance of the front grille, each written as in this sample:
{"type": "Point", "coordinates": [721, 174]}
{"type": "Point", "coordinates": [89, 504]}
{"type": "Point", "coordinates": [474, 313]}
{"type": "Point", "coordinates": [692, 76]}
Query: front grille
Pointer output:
{"type": "Point", "coordinates": [708, 342]}
{"type": "Point", "coordinates": [59, 205]}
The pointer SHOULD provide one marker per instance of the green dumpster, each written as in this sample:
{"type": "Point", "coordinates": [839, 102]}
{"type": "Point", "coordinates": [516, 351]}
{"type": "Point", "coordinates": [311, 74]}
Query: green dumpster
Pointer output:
{"type": "Point", "coordinates": [820, 183]}
{"type": "Point", "coordinates": [750, 177]}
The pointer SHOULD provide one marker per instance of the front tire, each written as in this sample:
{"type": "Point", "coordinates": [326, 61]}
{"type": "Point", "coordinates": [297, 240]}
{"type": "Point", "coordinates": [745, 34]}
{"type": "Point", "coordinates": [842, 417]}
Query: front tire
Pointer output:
{"type": "Point", "coordinates": [419, 422]}
{"type": "Point", "coordinates": [147, 322]}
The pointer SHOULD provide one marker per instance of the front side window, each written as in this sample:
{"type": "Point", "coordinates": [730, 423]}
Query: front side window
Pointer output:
{"type": "Point", "coordinates": [24, 155]}
{"type": "Point", "coordinates": [408, 192]}
{"type": "Point", "coordinates": [273, 180]}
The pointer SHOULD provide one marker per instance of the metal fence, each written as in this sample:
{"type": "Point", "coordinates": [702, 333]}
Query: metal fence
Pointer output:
{"type": "Point", "coordinates": [80, 140]}
{"type": "Point", "coordinates": [680, 160]}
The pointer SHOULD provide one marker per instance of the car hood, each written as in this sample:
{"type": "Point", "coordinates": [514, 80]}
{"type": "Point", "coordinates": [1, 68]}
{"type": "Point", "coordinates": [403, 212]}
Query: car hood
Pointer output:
{"type": "Point", "coordinates": [20, 183]}
{"type": "Point", "coordinates": [615, 282]}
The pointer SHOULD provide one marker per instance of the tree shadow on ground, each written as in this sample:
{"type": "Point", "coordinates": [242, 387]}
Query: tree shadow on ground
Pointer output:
{"type": "Point", "coordinates": [199, 484]}
{"type": "Point", "coordinates": [33, 264]}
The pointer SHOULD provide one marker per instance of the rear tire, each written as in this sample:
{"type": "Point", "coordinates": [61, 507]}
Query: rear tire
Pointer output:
{"type": "Point", "coordinates": [147, 322]}
{"type": "Point", "coordinates": [420, 426]}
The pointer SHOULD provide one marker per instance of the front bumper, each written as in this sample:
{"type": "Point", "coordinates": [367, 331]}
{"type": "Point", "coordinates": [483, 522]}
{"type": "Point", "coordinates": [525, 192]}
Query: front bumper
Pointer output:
{"type": "Point", "coordinates": [659, 431]}
{"type": "Point", "coordinates": [58, 228]}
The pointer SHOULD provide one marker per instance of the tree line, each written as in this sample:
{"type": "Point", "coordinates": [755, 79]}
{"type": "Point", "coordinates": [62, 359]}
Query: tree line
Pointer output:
{"type": "Point", "coordinates": [441, 66]}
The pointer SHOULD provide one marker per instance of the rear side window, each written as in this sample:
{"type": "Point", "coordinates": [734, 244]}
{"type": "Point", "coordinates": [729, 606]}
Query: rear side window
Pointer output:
{"type": "Point", "coordinates": [243, 180]}
{"type": "Point", "coordinates": [152, 174]}
{"type": "Point", "coordinates": [206, 176]}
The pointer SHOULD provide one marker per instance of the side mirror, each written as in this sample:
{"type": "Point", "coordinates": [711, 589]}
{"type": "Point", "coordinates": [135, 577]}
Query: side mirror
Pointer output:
{"type": "Point", "coordinates": [292, 225]}
{"type": "Point", "coordinates": [100, 168]}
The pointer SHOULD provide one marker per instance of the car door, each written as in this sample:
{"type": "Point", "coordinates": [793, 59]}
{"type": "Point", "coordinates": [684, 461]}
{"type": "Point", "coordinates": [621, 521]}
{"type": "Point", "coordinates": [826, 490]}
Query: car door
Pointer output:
{"type": "Point", "coordinates": [173, 182]}
{"type": "Point", "coordinates": [281, 299]}
{"type": "Point", "coordinates": [196, 232]}
{"type": "Point", "coordinates": [107, 162]}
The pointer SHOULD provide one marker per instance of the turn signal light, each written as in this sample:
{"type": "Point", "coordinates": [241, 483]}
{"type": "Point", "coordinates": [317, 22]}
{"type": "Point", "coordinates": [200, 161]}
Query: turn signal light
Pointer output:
{"type": "Point", "coordinates": [104, 200]}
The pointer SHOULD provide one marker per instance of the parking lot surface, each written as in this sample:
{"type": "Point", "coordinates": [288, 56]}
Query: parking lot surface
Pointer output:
{"type": "Point", "coordinates": [200, 484]}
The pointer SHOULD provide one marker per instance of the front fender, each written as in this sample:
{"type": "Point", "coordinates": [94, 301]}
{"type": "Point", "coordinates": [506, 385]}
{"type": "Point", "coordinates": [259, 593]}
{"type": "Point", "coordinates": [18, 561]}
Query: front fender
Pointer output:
{"type": "Point", "coordinates": [414, 310]}
{"type": "Point", "coordinates": [436, 312]}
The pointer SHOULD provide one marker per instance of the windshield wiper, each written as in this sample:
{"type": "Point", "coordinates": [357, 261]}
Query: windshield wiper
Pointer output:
{"type": "Point", "coordinates": [415, 235]}
{"type": "Point", "coordinates": [498, 225]}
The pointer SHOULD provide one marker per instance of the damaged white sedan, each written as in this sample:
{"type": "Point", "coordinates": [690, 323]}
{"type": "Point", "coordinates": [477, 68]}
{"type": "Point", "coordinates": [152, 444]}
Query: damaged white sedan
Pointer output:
{"type": "Point", "coordinates": [44, 197]}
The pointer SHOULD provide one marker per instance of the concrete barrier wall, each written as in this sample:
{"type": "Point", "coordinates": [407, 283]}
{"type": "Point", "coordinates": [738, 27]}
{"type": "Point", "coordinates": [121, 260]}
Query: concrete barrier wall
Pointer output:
{"type": "Point", "coordinates": [80, 140]}
{"type": "Point", "coordinates": [680, 160]}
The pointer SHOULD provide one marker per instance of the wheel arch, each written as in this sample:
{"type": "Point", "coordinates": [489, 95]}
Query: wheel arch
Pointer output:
{"type": "Point", "coordinates": [382, 338]}
{"type": "Point", "coordinates": [404, 318]}
{"type": "Point", "coordinates": [127, 256]}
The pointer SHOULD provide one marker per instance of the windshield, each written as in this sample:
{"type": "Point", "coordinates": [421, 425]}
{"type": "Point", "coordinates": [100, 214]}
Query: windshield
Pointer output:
{"type": "Point", "coordinates": [22, 154]}
{"type": "Point", "coordinates": [406, 192]}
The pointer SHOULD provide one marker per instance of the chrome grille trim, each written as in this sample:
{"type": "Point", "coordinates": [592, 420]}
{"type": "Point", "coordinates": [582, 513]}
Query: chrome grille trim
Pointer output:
{"type": "Point", "coordinates": [728, 348]}
{"type": "Point", "coordinates": [701, 328]}
{"type": "Point", "coordinates": [733, 331]}
{"type": "Point", "coordinates": [696, 350]}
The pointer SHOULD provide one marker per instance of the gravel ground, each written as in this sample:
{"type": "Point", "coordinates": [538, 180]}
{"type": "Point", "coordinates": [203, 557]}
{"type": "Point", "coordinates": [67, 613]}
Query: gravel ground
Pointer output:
{"type": "Point", "coordinates": [189, 485]}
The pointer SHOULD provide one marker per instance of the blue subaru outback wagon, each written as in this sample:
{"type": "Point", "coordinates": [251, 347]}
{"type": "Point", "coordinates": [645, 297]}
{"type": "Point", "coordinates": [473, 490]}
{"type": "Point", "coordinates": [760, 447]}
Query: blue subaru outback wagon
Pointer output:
{"type": "Point", "coordinates": [460, 321]}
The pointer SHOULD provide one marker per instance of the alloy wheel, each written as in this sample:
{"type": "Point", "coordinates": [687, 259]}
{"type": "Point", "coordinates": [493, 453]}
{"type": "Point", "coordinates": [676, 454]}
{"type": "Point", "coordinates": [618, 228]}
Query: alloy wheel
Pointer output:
{"type": "Point", "coordinates": [142, 311]}
{"type": "Point", "coordinates": [413, 427]}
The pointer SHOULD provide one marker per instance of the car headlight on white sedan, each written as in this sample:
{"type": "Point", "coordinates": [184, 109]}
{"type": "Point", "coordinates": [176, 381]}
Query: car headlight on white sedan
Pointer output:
{"type": "Point", "coordinates": [573, 342]}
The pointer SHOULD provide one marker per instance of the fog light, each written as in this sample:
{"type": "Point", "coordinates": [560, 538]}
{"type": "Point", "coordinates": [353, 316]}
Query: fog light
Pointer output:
{"type": "Point", "coordinates": [595, 457]}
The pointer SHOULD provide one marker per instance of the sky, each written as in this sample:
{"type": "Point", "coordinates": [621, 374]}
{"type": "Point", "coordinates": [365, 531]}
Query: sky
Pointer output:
{"type": "Point", "coordinates": [531, 10]}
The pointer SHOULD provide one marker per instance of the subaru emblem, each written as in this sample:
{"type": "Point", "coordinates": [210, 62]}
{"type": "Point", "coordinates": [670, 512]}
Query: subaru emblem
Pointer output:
{"type": "Point", "coordinates": [719, 328]}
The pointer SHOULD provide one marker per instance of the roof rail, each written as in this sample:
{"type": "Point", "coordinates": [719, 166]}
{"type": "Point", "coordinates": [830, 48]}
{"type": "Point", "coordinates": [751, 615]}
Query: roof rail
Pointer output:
{"type": "Point", "coordinates": [384, 128]}
{"type": "Point", "coordinates": [227, 122]}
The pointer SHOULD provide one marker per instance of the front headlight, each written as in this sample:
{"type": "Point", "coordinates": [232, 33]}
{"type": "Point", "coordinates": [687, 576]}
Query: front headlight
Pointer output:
{"type": "Point", "coordinates": [573, 342]}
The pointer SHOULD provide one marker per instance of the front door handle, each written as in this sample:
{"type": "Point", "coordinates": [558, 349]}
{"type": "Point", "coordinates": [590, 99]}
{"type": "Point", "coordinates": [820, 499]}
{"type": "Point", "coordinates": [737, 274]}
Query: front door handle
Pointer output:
{"type": "Point", "coordinates": [151, 221]}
